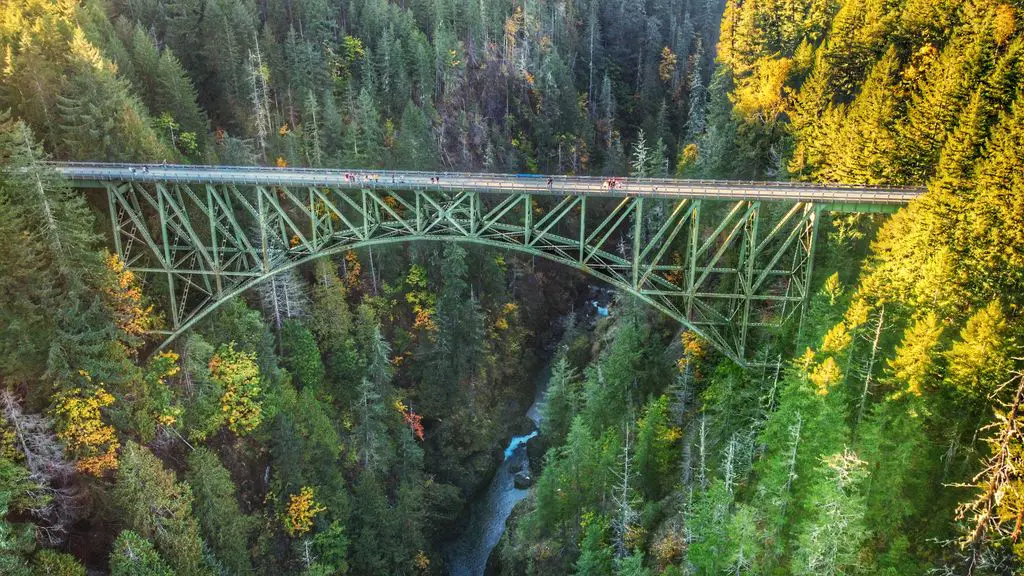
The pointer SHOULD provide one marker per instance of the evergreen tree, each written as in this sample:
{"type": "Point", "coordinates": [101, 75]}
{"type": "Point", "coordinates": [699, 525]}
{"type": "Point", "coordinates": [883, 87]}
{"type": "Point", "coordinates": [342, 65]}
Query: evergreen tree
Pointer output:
{"type": "Point", "coordinates": [562, 401]}
{"type": "Point", "coordinates": [301, 356]}
{"type": "Point", "coordinates": [223, 525]}
{"type": "Point", "coordinates": [829, 542]}
{"type": "Point", "coordinates": [154, 505]}
{"type": "Point", "coordinates": [133, 555]}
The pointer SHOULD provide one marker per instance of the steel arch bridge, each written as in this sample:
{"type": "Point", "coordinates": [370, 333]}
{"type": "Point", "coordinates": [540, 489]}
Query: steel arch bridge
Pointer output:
{"type": "Point", "coordinates": [726, 259]}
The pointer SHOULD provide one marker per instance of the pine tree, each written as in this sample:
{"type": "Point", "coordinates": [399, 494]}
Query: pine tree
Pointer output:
{"type": "Point", "coordinates": [624, 500]}
{"type": "Point", "coordinates": [258, 95]}
{"type": "Point", "coordinates": [311, 131]}
{"type": "Point", "coordinates": [655, 447]}
{"type": "Point", "coordinates": [224, 528]}
{"type": "Point", "coordinates": [561, 402]}
{"type": "Point", "coordinates": [371, 430]}
{"type": "Point", "coordinates": [300, 355]}
{"type": "Point", "coordinates": [154, 505]}
{"type": "Point", "coordinates": [829, 542]}
{"type": "Point", "coordinates": [596, 556]}
{"type": "Point", "coordinates": [415, 148]}
{"type": "Point", "coordinates": [133, 555]}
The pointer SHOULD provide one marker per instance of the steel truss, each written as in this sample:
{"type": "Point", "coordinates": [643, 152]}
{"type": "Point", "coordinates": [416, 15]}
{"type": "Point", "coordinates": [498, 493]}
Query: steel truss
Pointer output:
{"type": "Point", "coordinates": [727, 270]}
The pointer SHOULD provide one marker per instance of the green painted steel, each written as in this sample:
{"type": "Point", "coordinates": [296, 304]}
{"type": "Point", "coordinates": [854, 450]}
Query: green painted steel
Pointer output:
{"type": "Point", "coordinates": [732, 270]}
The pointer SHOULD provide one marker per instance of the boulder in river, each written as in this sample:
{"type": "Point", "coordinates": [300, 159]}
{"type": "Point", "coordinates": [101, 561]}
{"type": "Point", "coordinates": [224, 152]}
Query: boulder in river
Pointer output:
{"type": "Point", "coordinates": [522, 480]}
{"type": "Point", "coordinates": [535, 449]}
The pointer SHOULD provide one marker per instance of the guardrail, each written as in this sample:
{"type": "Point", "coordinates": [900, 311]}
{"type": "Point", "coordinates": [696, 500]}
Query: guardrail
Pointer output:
{"type": "Point", "coordinates": [87, 173]}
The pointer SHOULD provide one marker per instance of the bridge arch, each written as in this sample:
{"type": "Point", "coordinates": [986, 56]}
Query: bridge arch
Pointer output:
{"type": "Point", "coordinates": [252, 283]}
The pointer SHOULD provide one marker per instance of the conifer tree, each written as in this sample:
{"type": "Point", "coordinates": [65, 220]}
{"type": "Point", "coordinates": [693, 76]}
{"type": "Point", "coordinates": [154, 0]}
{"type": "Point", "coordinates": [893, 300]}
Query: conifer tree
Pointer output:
{"type": "Point", "coordinates": [562, 401]}
{"type": "Point", "coordinates": [829, 542]}
{"type": "Point", "coordinates": [133, 555]}
{"type": "Point", "coordinates": [154, 505]}
{"type": "Point", "coordinates": [224, 528]}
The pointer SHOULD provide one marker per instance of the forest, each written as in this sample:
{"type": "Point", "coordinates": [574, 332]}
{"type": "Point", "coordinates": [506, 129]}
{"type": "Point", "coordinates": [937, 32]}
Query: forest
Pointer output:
{"type": "Point", "coordinates": [345, 416]}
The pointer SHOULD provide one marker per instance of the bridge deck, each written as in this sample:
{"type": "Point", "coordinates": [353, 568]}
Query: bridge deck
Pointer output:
{"type": "Point", "coordinates": [95, 174]}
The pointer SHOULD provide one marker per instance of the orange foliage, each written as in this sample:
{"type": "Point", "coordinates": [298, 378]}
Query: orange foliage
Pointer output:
{"type": "Point", "coordinates": [424, 320]}
{"type": "Point", "coordinates": [694, 349]}
{"type": "Point", "coordinates": [281, 162]}
{"type": "Point", "coordinates": [353, 269]}
{"type": "Point", "coordinates": [302, 509]}
{"type": "Point", "coordinates": [412, 419]}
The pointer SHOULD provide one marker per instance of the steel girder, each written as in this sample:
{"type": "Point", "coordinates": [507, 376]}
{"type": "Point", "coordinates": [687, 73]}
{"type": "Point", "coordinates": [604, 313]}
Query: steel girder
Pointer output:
{"type": "Point", "coordinates": [728, 270]}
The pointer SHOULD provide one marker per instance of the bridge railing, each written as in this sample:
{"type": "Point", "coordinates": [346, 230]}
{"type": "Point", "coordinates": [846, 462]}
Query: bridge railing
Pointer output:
{"type": "Point", "coordinates": [487, 182]}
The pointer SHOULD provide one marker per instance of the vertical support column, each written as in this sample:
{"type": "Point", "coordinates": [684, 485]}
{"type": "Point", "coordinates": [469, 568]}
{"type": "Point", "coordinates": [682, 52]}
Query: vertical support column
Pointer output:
{"type": "Point", "coordinates": [638, 232]}
{"type": "Point", "coordinates": [175, 321]}
{"type": "Point", "coordinates": [474, 202]}
{"type": "Point", "coordinates": [211, 214]}
{"type": "Point", "coordinates": [527, 219]}
{"type": "Point", "coordinates": [314, 220]}
{"type": "Point", "coordinates": [583, 227]}
{"type": "Point", "coordinates": [419, 212]}
{"type": "Point", "coordinates": [115, 226]}
{"type": "Point", "coordinates": [813, 216]}
{"type": "Point", "coordinates": [366, 216]}
{"type": "Point", "coordinates": [262, 210]}
{"type": "Point", "coordinates": [745, 271]}
{"type": "Point", "coordinates": [691, 264]}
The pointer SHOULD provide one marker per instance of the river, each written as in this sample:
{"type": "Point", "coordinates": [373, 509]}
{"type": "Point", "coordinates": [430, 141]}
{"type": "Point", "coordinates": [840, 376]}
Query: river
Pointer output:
{"type": "Point", "coordinates": [467, 555]}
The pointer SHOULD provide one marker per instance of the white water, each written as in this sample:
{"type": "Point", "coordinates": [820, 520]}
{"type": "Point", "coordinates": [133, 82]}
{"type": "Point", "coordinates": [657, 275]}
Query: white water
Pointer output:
{"type": "Point", "coordinates": [516, 442]}
{"type": "Point", "coordinates": [467, 555]}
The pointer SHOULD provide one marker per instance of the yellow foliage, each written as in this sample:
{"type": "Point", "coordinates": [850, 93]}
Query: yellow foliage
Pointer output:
{"type": "Point", "coordinates": [913, 364]}
{"type": "Point", "coordinates": [826, 375]}
{"type": "Point", "coordinates": [281, 162]}
{"type": "Point", "coordinates": [421, 561]}
{"type": "Point", "coordinates": [687, 157]}
{"type": "Point", "coordinates": [1004, 24]}
{"type": "Point", "coordinates": [126, 301]}
{"type": "Point", "coordinates": [670, 434]}
{"type": "Point", "coordinates": [667, 66]}
{"type": "Point", "coordinates": [763, 94]}
{"type": "Point", "coordinates": [833, 288]}
{"type": "Point", "coordinates": [80, 426]}
{"type": "Point", "coordinates": [83, 50]}
{"type": "Point", "coordinates": [502, 322]}
{"type": "Point", "coordinates": [837, 339]}
{"type": "Point", "coordinates": [669, 549]}
{"type": "Point", "coordinates": [635, 536]}
{"type": "Point", "coordinates": [158, 369]}
{"type": "Point", "coordinates": [302, 509]}
{"type": "Point", "coordinates": [857, 314]}
{"type": "Point", "coordinates": [239, 376]}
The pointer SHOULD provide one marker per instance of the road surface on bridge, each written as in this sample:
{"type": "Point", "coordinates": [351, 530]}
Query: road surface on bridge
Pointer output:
{"type": "Point", "coordinates": [96, 174]}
